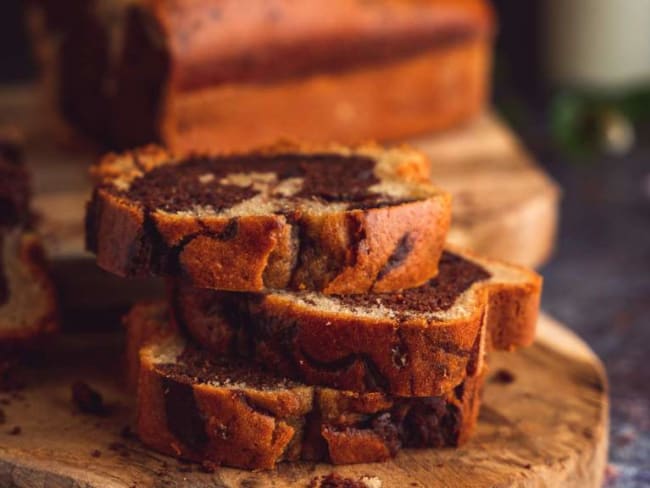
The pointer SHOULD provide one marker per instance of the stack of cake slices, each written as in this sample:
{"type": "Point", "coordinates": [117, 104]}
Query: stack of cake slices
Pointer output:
{"type": "Point", "coordinates": [313, 310]}
{"type": "Point", "coordinates": [28, 311]}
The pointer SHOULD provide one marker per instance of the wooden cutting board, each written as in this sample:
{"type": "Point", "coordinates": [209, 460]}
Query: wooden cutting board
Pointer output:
{"type": "Point", "coordinates": [504, 205]}
{"type": "Point", "coordinates": [546, 427]}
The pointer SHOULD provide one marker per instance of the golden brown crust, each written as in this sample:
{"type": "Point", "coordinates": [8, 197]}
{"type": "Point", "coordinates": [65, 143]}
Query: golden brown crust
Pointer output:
{"type": "Point", "coordinates": [206, 42]}
{"type": "Point", "coordinates": [410, 165]}
{"type": "Point", "coordinates": [345, 251]}
{"type": "Point", "coordinates": [514, 305]}
{"type": "Point", "coordinates": [142, 324]}
{"type": "Point", "coordinates": [241, 433]}
{"type": "Point", "coordinates": [346, 107]}
{"type": "Point", "coordinates": [236, 434]}
{"type": "Point", "coordinates": [404, 355]}
{"type": "Point", "coordinates": [360, 354]}
{"type": "Point", "coordinates": [432, 88]}
{"type": "Point", "coordinates": [354, 447]}
{"type": "Point", "coordinates": [196, 74]}
{"type": "Point", "coordinates": [249, 427]}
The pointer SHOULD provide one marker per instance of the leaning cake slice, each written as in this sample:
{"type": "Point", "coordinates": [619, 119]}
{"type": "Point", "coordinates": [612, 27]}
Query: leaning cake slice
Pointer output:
{"type": "Point", "coordinates": [28, 309]}
{"type": "Point", "coordinates": [334, 219]}
{"type": "Point", "coordinates": [416, 342]}
{"type": "Point", "coordinates": [196, 407]}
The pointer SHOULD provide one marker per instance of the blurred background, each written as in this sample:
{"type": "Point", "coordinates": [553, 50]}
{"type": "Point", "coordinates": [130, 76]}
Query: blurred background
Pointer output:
{"type": "Point", "coordinates": [573, 80]}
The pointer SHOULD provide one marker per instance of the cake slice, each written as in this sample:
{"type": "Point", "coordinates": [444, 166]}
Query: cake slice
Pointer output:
{"type": "Point", "coordinates": [28, 309]}
{"type": "Point", "coordinates": [194, 406]}
{"type": "Point", "coordinates": [335, 220]}
{"type": "Point", "coordinates": [417, 342]}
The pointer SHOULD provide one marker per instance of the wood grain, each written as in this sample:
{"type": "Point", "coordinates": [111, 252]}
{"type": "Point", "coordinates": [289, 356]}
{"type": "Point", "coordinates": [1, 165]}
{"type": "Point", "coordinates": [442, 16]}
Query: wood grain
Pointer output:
{"type": "Point", "coordinates": [548, 427]}
{"type": "Point", "coordinates": [504, 205]}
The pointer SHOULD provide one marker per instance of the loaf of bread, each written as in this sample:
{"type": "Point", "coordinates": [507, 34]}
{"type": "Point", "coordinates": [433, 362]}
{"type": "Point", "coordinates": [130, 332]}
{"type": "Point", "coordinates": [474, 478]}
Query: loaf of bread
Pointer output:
{"type": "Point", "coordinates": [226, 74]}
{"type": "Point", "coordinates": [416, 342]}
{"type": "Point", "coordinates": [196, 407]}
{"type": "Point", "coordinates": [28, 309]}
{"type": "Point", "coordinates": [334, 219]}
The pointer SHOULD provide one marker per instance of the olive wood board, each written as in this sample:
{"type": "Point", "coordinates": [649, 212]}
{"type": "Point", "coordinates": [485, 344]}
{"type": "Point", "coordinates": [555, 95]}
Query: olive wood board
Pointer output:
{"type": "Point", "coordinates": [544, 425]}
{"type": "Point", "coordinates": [505, 206]}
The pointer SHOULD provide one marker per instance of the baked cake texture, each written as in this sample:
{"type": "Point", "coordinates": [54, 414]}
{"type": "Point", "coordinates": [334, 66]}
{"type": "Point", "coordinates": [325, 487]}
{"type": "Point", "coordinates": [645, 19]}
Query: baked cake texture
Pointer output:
{"type": "Point", "coordinates": [333, 219]}
{"type": "Point", "coordinates": [417, 342]}
{"type": "Point", "coordinates": [196, 407]}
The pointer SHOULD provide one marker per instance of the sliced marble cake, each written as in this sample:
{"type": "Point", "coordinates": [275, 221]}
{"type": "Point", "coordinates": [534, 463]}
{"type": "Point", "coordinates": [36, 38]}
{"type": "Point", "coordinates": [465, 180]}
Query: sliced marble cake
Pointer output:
{"type": "Point", "coordinates": [332, 219]}
{"type": "Point", "coordinates": [28, 309]}
{"type": "Point", "coordinates": [226, 412]}
{"type": "Point", "coordinates": [418, 342]}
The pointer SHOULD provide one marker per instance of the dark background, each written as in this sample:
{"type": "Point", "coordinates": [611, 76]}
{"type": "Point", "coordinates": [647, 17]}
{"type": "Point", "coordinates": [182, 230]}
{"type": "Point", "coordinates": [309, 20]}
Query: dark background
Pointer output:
{"type": "Point", "coordinates": [598, 281]}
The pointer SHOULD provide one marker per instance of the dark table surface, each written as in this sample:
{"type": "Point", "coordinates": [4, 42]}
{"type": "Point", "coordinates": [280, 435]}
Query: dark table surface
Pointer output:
{"type": "Point", "coordinates": [598, 283]}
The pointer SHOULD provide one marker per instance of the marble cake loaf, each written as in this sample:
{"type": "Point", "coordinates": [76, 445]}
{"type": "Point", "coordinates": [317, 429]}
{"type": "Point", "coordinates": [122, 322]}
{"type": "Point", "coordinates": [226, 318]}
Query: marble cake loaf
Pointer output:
{"type": "Point", "coordinates": [334, 219]}
{"type": "Point", "coordinates": [28, 309]}
{"type": "Point", "coordinates": [196, 407]}
{"type": "Point", "coordinates": [417, 342]}
{"type": "Point", "coordinates": [226, 74]}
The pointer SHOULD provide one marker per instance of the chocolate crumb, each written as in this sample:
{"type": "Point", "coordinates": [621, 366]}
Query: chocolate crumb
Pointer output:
{"type": "Point", "coordinates": [455, 276]}
{"type": "Point", "coordinates": [334, 480]}
{"type": "Point", "coordinates": [119, 448]}
{"type": "Point", "coordinates": [17, 430]}
{"type": "Point", "coordinates": [504, 376]}
{"type": "Point", "coordinates": [87, 399]}
{"type": "Point", "coordinates": [96, 453]}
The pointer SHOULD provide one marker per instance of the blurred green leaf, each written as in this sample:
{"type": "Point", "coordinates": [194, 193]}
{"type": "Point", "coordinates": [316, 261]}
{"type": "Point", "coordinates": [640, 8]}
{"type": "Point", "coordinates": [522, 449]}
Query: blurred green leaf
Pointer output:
{"type": "Point", "coordinates": [570, 124]}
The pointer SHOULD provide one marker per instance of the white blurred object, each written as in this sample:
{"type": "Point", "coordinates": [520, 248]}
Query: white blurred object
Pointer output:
{"type": "Point", "coordinates": [600, 44]}
{"type": "Point", "coordinates": [618, 133]}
